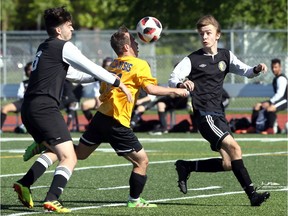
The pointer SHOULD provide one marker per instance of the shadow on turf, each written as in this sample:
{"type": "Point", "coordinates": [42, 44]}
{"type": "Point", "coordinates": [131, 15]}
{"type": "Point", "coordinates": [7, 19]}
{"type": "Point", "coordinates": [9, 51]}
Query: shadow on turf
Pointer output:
{"type": "Point", "coordinates": [158, 203]}
{"type": "Point", "coordinates": [18, 208]}
{"type": "Point", "coordinates": [198, 204]}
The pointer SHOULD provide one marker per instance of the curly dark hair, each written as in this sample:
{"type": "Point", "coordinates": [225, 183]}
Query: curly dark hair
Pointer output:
{"type": "Point", "coordinates": [54, 17]}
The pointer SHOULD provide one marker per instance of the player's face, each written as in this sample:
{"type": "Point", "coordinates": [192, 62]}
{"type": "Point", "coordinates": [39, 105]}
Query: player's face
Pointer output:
{"type": "Point", "coordinates": [133, 45]}
{"type": "Point", "coordinates": [66, 30]}
{"type": "Point", "coordinates": [209, 36]}
{"type": "Point", "coordinates": [276, 69]}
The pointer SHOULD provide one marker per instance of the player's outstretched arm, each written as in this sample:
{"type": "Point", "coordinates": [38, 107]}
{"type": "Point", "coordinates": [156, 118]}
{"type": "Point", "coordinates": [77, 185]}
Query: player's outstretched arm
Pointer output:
{"type": "Point", "coordinates": [162, 91]}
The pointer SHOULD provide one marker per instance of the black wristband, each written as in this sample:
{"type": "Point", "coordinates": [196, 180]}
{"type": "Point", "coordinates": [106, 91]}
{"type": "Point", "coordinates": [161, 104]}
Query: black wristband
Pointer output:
{"type": "Point", "coordinates": [178, 85]}
{"type": "Point", "coordinates": [116, 83]}
{"type": "Point", "coordinates": [254, 70]}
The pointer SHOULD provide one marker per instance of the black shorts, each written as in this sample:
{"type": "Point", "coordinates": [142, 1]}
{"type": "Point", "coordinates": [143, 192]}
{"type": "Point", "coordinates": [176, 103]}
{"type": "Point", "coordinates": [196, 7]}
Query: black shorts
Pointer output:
{"type": "Point", "coordinates": [104, 128]}
{"type": "Point", "coordinates": [18, 105]}
{"type": "Point", "coordinates": [44, 121]}
{"type": "Point", "coordinates": [214, 129]}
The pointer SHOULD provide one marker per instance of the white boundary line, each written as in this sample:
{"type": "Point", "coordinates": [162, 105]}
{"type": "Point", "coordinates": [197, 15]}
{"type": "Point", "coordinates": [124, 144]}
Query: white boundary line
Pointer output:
{"type": "Point", "coordinates": [151, 162]}
{"type": "Point", "coordinates": [153, 139]}
{"type": "Point", "coordinates": [152, 201]}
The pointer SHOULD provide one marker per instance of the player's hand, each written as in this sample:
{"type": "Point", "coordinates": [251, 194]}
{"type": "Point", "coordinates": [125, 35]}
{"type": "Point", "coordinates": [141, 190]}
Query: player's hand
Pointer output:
{"type": "Point", "coordinates": [126, 91]}
{"type": "Point", "coordinates": [188, 84]}
{"type": "Point", "coordinates": [261, 68]}
{"type": "Point", "coordinates": [181, 92]}
{"type": "Point", "coordinates": [265, 105]}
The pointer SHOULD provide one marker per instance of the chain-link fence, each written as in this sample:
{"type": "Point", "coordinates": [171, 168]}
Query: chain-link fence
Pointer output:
{"type": "Point", "coordinates": [250, 46]}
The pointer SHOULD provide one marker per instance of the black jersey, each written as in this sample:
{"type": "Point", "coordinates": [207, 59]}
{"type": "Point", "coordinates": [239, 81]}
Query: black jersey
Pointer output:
{"type": "Point", "coordinates": [208, 73]}
{"type": "Point", "coordinates": [48, 70]}
{"type": "Point", "coordinates": [280, 95]}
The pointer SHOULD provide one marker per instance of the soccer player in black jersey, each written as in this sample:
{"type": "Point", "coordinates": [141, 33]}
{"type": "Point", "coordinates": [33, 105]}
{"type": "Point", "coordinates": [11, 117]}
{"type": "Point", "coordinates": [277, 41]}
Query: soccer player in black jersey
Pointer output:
{"type": "Point", "coordinates": [56, 59]}
{"type": "Point", "coordinates": [202, 73]}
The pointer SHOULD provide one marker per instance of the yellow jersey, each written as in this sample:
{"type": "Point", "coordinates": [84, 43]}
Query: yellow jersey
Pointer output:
{"type": "Point", "coordinates": [134, 73]}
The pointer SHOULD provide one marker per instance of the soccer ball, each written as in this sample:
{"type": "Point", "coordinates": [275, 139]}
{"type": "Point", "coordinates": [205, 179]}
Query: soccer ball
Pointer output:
{"type": "Point", "coordinates": [149, 29]}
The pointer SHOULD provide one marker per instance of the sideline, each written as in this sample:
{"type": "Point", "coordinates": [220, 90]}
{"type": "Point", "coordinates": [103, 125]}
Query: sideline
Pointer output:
{"type": "Point", "coordinates": [152, 201]}
{"type": "Point", "coordinates": [151, 162]}
{"type": "Point", "coordinates": [147, 140]}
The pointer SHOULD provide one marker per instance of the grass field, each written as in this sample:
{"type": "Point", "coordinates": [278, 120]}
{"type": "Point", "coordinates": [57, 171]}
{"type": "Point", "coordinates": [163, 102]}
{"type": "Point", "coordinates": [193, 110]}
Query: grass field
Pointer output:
{"type": "Point", "coordinates": [99, 185]}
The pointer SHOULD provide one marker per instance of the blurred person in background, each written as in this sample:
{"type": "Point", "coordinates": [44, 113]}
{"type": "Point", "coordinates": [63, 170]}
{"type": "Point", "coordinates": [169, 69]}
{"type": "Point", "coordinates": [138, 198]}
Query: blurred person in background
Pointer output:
{"type": "Point", "coordinates": [16, 105]}
{"type": "Point", "coordinates": [93, 104]}
{"type": "Point", "coordinates": [264, 118]}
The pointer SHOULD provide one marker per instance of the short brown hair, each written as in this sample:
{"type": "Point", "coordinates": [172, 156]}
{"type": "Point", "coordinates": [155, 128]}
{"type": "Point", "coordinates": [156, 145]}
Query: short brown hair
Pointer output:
{"type": "Point", "coordinates": [119, 39]}
{"type": "Point", "coordinates": [208, 20]}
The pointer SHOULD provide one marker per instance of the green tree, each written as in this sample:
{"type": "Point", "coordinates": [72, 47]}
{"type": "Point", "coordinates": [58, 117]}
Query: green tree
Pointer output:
{"type": "Point", "coordinates": [174, 14]}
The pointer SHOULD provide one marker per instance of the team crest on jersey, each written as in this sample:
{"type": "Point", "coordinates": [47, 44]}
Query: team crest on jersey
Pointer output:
{"type": "Point", "coordinates": [222, 66]}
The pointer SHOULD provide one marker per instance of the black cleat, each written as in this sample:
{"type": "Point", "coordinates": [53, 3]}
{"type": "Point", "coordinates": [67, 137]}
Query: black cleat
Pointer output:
{"type": "Point", "coordinates": [183, 175]}
{"type": "Point", "coordinates": [258, 198]}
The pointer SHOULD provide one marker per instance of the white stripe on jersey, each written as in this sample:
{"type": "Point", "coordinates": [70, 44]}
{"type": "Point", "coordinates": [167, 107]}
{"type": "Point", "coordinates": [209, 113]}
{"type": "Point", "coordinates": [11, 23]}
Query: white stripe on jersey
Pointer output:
{"type": "Point", "coordinates": [279, 103]}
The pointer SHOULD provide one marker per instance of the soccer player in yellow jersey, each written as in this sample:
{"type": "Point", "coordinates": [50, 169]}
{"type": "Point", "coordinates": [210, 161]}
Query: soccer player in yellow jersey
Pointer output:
{"type": "Point", "coordinates": [111, 123]}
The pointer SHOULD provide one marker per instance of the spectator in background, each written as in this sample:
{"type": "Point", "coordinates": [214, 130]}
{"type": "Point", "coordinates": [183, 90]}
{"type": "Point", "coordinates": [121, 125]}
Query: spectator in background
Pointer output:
{"type": "Point", "coordinates": [143, 103]}
{"type": "Point", "coordinates": [93, 104]}
{"type": "Point", "coordinates": [69, 102]}
{"type": "Point", "coordinates": [264, 116]}
{"type": "Point", "coordinates": [16, 105]}
{"type": "Point", "coordinates": [165, 104]}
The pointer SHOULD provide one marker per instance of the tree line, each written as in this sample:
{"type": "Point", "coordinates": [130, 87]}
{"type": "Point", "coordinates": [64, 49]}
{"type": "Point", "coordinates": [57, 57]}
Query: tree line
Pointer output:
{"type": "Point", "coordinates": [173, 14]}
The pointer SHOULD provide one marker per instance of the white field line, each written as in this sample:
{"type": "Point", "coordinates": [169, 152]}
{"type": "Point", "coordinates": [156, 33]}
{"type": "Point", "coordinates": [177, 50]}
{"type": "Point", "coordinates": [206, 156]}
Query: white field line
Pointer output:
{"type": "Point", "coordinates": [151, 162]}
{"type": "Point", "coordinates": [152, 201]}
{"type": "Point", "coordinates": [147, 140]}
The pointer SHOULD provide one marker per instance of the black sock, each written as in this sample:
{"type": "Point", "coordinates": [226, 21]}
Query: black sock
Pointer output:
{"type": "Point", "coordinates": [254, 117]}
{"type": "Point", "coordinates": [61, 177]}
{"type": "Point", "coordinates": [3, 118]}
{"type": "Point", "coordinates": [88, 114]}
{"type": "Point", "coordinates": [209, 165]}
{"type": "Point", "coordinates": [137, 183]}
{"type": "Point", "coordinates": [242, 176]}
{"type": "Point", "coordinates": [162, 119]}
{"type": "Point", "coordinates": [37, 170]}
{"type": "Point", "coordinates": [271, 119]}
{"type": "Point", "coordinates": [136, 117]}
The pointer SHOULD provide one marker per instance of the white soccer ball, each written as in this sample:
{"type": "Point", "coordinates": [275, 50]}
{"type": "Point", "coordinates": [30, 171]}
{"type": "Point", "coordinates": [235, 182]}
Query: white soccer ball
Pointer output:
{"type": "Point", "coordinates": [149, 29]}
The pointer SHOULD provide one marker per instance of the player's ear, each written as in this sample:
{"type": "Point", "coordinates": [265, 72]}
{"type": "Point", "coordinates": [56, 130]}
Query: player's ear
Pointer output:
{"type": "Point", "coordinates": [58, 30]}
{"type": "Point", "coordinates": [218, 35]}
{"type": "Point", "coordinates": [126, 47]}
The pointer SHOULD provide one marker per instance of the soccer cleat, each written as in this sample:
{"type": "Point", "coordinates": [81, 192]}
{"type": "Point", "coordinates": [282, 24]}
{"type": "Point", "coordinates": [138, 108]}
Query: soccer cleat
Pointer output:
{"type": "Point", "coordinates": [141, 203]}
{"type": "Point", "coordinates": [32, 150]}
{"type": "Point", "coordinates": [183, 175]}
{"type": "Point", "coordinates": [24, 194]}
{"type": "Point", "coordinates": [258, 198]}
{"type": "Point", "coordinates": [55, 206]}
